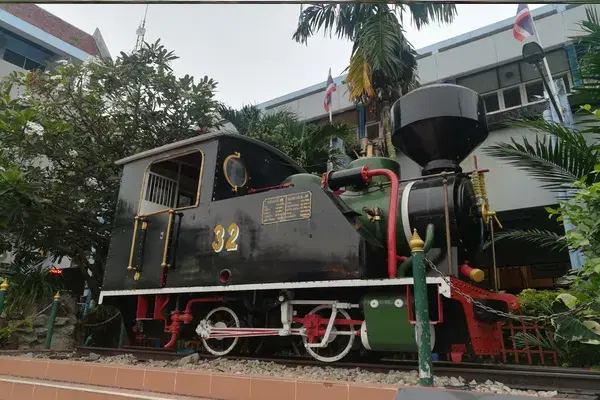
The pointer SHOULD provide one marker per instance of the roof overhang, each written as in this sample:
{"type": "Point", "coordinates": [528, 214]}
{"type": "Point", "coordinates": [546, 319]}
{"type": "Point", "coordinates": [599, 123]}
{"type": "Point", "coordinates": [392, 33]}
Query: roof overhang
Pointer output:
{"type": "Point", "coordinates": [40, 37]}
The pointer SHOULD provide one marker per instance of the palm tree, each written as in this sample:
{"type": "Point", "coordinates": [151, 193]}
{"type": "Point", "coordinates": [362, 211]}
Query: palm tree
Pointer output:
{"type": "Point", "coordinates": [307, 144]}
{"type": "Point", "coordinates": [575, 153]}
{"type": "Point", "coordinates": [382, 62]}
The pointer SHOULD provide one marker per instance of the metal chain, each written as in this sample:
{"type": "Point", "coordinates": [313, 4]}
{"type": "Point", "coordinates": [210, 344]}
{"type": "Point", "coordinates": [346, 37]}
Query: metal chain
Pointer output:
{"type": "Point", "coordinates": [44, 310]}
{"type": "Point", "coordinates": [501, 313]}
{"type": "Point", "coordinates": [103, 322]}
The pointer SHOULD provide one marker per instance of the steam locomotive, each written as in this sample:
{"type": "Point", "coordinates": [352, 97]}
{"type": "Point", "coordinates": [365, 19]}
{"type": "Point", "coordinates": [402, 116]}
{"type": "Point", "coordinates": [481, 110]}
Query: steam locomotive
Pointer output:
{"type": "Point", "coordinates": [225, 240]}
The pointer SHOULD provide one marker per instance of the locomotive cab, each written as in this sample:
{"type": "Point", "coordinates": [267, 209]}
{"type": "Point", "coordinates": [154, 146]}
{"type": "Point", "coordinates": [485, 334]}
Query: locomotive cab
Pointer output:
{"type": "Point", "coordinates": [218, 209]}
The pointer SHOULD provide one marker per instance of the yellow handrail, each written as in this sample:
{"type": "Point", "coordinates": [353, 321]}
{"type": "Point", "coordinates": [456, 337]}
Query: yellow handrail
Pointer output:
{"type": "Point", "coordinates": [135, 228]}
{"type": "Point", "coordinates": [167, 239]}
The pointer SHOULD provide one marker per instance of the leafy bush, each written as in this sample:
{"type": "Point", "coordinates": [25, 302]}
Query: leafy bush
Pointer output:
{"type": "Point", "coordinates": [30, 284]}
{"type": "Point", "coordinates": [575, 336]}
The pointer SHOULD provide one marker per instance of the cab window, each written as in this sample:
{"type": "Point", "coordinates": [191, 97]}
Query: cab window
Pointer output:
{"type": "Point", "coordinates": [172, 183]}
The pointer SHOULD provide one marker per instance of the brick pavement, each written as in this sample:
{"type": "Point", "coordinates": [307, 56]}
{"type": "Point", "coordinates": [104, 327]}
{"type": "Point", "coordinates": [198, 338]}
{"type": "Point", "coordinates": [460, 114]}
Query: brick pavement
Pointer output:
{"type": "Point", "coordinates": [41, 379]}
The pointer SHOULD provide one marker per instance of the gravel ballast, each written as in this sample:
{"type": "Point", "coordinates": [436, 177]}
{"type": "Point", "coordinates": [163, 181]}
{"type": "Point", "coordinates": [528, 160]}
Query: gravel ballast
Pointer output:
{"type": "Point", "coordinates": [272, 369]}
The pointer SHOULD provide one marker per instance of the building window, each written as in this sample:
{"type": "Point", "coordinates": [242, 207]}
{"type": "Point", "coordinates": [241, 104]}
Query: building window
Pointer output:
{"type": "Point", "coordinates": [481, 82]}
{"type": "Point", "coordinates": [533, 90]}
{"type": "Point", "coordinates": [491, 102]}
{"type": "Point", "coordinates": [509, 75]}
{"type": "Point", "coordinates": [21, 61]}
{"type": "Point", "coordinates": [512, 97]}
{"type": "Point", "coordinates": [517, 83]}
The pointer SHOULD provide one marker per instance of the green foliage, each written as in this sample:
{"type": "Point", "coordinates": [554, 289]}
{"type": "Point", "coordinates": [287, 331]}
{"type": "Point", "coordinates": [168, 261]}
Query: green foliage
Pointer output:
{"type": "Point", "coordinates": [574, 336]}
{"type": "Point", "coordinates": [582, 210]}
{"type": "Point", "coordinates": [60, 138]}
{"type": "Point", "coordinates": [30, 289]}
{"type": "Point", "coordinates": [538, 237]}
{"type": "Point", "coordinates": [536, 302]}
{"type": "Point", "coordinates": [30, 284]}
{"type": "Point", "coordinates": [383, 63]}
{"type": "Point", "coordinates": [307, 144]}
{"type": "Point", "coordinates": [380, 47]}
{"type": "Point", "coordinates": [589, 63]}
{"type": "Point", "coordinates": [15, 326]}
{"type": "Point", "coordinates": [555, 165]}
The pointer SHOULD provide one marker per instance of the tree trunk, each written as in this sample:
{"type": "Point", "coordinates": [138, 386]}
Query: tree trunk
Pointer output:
{"type": "Point", "coordinates": [387, 130]}
{"type": "Point", "coordinates": [95, 280]}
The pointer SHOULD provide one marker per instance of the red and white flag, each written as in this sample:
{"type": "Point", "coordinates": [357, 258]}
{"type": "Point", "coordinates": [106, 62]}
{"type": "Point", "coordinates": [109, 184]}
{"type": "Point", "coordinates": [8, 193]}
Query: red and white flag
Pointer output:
{"type": "Point", "coordinates": [330, 89]}
{"type": "Point", "coordinates": [523, 25]}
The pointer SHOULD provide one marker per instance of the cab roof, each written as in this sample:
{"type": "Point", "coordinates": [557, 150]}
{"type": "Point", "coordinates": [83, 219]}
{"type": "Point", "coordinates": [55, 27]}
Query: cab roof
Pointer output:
{"type": "Point", "coordinates": [206, 138]}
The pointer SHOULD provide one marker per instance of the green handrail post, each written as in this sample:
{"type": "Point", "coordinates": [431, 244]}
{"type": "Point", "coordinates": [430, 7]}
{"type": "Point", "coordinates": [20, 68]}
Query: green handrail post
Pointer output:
{"type": "Point", "coordinates": [123, 334]}
{"type": "Point", "coordinates": [53, 313]}
{"type": "Point", "coordinates": [421, 310]}
{"type": "Point", "coordinates": [3, 289]}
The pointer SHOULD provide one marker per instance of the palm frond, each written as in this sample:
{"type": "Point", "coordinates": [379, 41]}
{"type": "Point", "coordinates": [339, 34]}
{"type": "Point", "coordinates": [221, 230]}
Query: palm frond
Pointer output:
{"type": "Point", "coordinates": [314, 18]}
{"type": "Point", "coordinates": [541, 238]}
{"type": "Point", "coordinates": [557, 166]}
{"type": "Point", "coordinates": [575, 138]}
{"type": "Point", "coordinates": [382, 42]}
{"type": "Point", "coordinates": [425, 13]}
{"type": "Point", "coordinates": [589, 62]}
{"type": "Point", "coordinates": [524, 340]}
{"type": "Point", "coordinates": [359, 78]}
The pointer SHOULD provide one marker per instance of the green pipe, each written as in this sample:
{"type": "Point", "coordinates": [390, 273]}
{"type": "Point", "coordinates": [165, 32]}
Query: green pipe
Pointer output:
{"type": "Point", "coordinates": [122, 335]}
{"type": "Point", "coordinates": [407, 264]}
{"type": "Point", "coordinates": [3, 289]}
{"type": "Point", "coordinates": [53, 313]}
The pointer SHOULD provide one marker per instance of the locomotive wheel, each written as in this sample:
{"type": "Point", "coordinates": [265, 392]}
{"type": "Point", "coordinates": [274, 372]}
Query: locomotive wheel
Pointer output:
{"type": "Point", "coordinates": [338, 346]}
{"type": "Point", "coordinates": [222, 317]}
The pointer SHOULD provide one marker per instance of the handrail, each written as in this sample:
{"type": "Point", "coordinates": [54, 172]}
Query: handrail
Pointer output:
{"type": "Point", "coordinates": [167, 239]}
{"type": "Point", "coordinates": [132, 251]}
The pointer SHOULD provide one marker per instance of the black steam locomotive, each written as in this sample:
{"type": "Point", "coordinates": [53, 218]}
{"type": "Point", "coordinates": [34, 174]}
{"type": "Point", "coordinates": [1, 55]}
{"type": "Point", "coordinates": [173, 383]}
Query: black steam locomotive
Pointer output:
{"type": "Point", "coordinates": [225, 240]}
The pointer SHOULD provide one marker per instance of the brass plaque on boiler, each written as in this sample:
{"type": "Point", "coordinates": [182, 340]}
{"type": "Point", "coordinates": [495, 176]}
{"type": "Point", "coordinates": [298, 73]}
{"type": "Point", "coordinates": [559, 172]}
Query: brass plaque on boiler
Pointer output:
{"type": "Point", "coordinates": [286, 208]}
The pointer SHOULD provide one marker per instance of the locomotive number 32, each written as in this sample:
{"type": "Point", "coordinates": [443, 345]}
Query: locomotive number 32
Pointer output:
{"type": "Point", "coordinates": [229, 242]}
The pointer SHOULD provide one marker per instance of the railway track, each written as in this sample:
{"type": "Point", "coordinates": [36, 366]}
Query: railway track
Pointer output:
{"type": "Point", "coordinates": [570, 383]}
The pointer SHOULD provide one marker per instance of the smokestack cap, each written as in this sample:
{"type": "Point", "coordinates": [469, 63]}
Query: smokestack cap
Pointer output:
{"type": "Point", "coordinates": [438, 126]}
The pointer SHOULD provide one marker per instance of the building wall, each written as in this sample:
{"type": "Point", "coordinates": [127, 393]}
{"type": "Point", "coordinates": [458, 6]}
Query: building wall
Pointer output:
{"type": "Point", "coordinates": [452, 58]}
{"type": "Point", "coordinates": [310, 107]}
{"type": "Point", "coordinates": [508, 187]}
{"type": "Point", "coordinates": [449, 60]}
{"type": "Point", "coordinates": [6, 69]}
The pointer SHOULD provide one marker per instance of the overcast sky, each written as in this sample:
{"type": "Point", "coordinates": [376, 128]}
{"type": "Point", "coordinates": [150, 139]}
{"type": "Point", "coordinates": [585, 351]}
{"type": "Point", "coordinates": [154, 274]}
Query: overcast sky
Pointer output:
{"type": "Point", "coordinates": [248, 48]}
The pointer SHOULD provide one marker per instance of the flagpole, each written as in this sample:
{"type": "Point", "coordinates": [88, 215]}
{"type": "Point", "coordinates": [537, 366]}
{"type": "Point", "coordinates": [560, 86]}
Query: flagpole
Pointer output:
{"type": "Point", "coordinates": [575, 256]}
{"type": "Point", "coordinates": [554, 93]}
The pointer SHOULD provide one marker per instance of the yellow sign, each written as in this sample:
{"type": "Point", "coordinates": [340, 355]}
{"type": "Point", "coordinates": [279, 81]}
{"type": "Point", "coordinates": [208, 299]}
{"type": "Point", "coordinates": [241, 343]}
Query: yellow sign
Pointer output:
{"type": "Point", "coordinates": [290, 207]}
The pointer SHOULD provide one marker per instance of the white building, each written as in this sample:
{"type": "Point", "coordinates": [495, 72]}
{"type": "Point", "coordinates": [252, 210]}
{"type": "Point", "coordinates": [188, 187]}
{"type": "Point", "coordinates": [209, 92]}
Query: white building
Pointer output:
{"type": "Point", "coordinates": [487, 60]}
{"type": "Point", "coordinates": [31, 37]}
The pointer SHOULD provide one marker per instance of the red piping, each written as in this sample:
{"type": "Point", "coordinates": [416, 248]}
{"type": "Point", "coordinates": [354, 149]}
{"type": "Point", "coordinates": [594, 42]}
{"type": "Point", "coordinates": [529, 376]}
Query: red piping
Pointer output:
{"type": "Point", "coordinates": [186, 318]}
{"type": "Point", "coordinates": [392, 214]}
{"type": "Point", "coordinates": [188, 307]}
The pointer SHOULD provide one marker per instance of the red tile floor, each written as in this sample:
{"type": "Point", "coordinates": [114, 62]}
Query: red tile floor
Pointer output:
{"type": "Point", "coordinates": [39, 379]}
